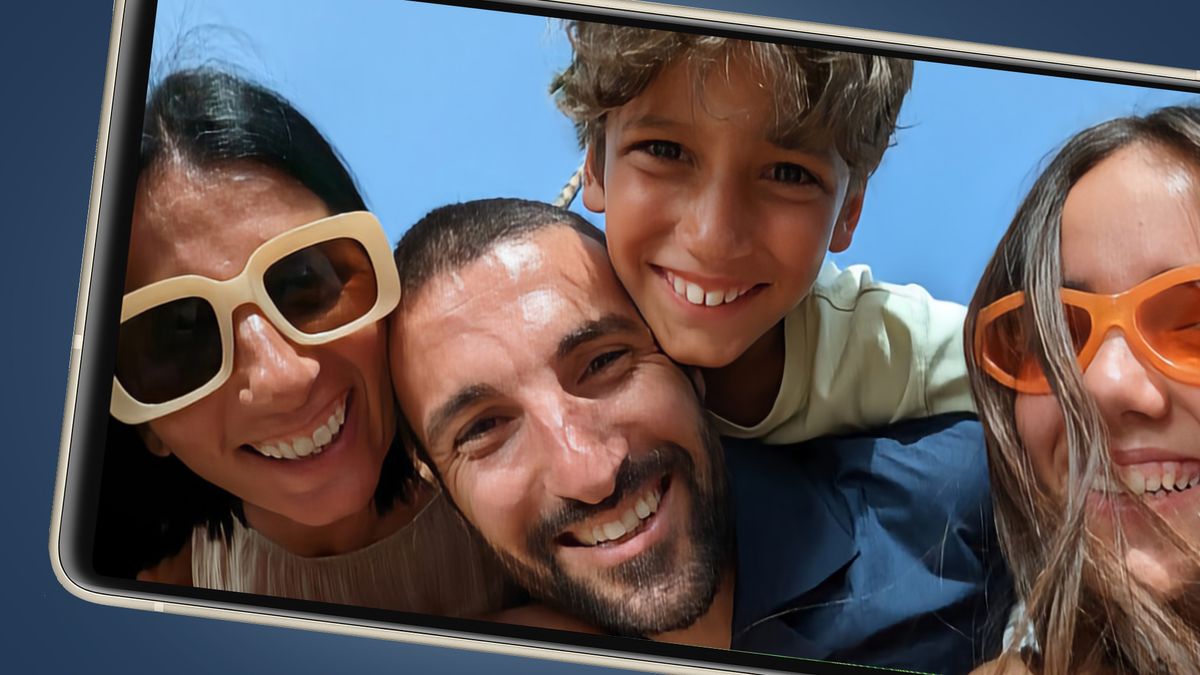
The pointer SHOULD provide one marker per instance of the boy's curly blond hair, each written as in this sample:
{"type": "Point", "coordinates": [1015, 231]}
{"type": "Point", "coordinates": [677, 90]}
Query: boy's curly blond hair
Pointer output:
{"type": "Point", "coordinates": [849, 99]}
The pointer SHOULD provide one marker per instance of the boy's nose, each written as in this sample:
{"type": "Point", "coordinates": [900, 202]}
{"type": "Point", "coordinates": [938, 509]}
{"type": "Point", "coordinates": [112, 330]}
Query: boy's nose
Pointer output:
{"type": "Point", "coordinates": [717, 227]}
{"type": "Point", "coordinates": [270, 373]}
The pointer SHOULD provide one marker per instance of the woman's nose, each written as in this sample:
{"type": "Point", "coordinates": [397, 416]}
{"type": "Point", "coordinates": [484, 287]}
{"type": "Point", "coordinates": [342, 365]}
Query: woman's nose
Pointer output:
{"type": "Point", "coordinates": [1121, 384]}
{"type": "Point", "coordinates": [270, 372]}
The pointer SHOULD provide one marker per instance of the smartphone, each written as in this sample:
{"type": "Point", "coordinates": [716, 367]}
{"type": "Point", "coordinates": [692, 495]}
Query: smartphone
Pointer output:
{"type": "Point", "coordinates": [608, 332]}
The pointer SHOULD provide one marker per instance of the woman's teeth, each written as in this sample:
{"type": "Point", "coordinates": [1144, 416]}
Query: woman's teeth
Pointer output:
{"type": "Point", "coordinates": [312, 443]}
{"type": "Point", "coordinates": [630, 520]}
{"type": "Point", "coordinates": [1156, 479]}
{"type": "Point", "coordinates": [697, 295]}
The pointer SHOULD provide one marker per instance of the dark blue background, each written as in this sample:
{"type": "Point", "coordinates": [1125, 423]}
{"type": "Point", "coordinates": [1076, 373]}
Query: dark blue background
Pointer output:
{"type": "Point", "coordinates": [54, 56]}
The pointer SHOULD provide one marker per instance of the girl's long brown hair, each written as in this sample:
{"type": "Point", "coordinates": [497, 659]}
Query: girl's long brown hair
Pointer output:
{"type": "Point", "coordinates": [1084, 607]}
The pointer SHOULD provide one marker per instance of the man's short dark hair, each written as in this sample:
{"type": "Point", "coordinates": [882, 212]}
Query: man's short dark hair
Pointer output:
{"type": "Point", "coordinates": [450, 237]}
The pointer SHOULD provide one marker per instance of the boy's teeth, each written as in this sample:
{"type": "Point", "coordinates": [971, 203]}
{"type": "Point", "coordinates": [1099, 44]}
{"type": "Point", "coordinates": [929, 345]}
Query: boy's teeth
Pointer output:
{"type": "Point", "coordinates": [1155, 478]}
{"type": "Point", "coordinates": [697, 295]}
{"type": "Point", "coordinates": [629, 521]}
{"type": "Point", "coordinates": [312, 443]}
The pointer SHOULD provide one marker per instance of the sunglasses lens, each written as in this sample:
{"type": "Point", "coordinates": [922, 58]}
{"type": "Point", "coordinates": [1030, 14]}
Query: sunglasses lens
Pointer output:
{"type": "Point", "coordinates": [1007, 343]}
{"type": "Point", "coordinates": [1170, 322]}
{"type": "Point", "coordinates": [323, 286]}
{"type": "Point", "coordinates": [169, 350]}
{"type": "Point", "coordinates": [1010, 343]}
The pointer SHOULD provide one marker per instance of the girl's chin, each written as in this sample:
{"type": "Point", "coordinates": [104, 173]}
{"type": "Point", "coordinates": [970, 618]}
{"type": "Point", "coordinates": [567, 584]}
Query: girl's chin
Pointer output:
{"type": "Point", "coordinates": [1160, 571]}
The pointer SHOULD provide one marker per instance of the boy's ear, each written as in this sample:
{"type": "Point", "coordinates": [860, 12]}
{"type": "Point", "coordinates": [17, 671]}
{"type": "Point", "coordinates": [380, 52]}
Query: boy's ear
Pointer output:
{"type": "Point", "coordinates": [843, 231]}
{"type": "Point", "coordinates": [153, 443]}
{"type": "Point", "coordinates": [593, 184]}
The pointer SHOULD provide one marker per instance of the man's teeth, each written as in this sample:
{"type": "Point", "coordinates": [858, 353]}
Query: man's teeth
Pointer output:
{"type": "Point", "coordinates": [629, 521]}
{"type": "Point", "coordinates": [1152, 478]}
{"type": "Point", "coordinates": [696, 295]}
{"type": "Point", "coordinates": [308, 444]}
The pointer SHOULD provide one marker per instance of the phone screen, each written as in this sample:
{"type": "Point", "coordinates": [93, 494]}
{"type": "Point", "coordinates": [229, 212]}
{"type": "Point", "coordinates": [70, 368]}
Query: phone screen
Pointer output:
{"type": "Point", "coordinates": [561, 328]}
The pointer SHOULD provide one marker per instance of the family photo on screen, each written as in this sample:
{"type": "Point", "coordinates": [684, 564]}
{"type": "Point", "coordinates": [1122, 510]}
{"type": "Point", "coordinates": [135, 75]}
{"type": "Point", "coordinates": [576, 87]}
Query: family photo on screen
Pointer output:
{"type": "Point", "coordinates": [605, 329]}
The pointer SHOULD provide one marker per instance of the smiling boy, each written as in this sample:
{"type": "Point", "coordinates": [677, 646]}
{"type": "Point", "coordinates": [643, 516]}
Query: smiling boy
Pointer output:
{"type": "Point", "coordinates": [726, 169]}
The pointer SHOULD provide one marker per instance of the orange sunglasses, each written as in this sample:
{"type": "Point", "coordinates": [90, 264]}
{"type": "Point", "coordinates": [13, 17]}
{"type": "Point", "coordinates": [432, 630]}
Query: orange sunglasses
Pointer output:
{"type": "Point", "coordinates": [1160, 319]}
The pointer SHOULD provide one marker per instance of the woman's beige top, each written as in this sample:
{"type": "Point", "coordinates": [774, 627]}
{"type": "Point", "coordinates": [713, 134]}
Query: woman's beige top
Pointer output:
{"type": "Point", "coordinates": [433, 565]}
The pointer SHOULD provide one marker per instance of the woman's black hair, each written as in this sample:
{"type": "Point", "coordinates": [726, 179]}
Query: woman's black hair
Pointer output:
{"type": "Point", "coordinates": [203, 118]}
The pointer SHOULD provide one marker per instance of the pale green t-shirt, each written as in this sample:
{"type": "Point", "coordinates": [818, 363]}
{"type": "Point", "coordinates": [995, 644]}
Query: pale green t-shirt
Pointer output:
{"type": "Point", "coordinates": [861, 354]}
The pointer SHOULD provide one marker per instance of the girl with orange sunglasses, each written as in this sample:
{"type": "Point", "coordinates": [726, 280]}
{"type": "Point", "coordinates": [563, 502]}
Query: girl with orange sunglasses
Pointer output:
{"type": "Point", "coordinates": [1085, 363]}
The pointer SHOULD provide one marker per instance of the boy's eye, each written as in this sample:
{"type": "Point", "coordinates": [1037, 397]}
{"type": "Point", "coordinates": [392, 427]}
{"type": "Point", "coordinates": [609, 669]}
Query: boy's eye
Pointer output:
{"type": "Point", "coordinates": [786, 172]}
{"type": "Point", "coordinates": [662, 149]}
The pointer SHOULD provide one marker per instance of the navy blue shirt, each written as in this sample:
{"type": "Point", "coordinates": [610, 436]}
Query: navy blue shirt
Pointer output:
{"type": "Point", "coordinates": [875, 549]}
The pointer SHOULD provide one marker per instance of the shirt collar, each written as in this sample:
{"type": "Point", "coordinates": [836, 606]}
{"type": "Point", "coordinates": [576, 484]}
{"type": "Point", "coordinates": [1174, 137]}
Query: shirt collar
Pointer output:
{"type": "Point", "coordinates": [792, 531]}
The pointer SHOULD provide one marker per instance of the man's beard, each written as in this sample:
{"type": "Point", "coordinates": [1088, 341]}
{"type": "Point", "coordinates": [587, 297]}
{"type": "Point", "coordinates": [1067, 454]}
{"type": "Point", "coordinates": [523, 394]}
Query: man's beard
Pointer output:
{"type": "Point", "coordinates": [654, 592]}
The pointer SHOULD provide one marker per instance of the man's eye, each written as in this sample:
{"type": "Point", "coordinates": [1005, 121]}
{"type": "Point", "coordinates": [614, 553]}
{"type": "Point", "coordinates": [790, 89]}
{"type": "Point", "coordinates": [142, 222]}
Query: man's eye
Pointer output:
{"type": "Point", "coordinates": [476, 430]}
{"type": "Point", "coordinates": [786, 172]}
{"type": "Point", "coordinates": [603, 361]}
{"type": "Point", "coordinates": [662, 149]}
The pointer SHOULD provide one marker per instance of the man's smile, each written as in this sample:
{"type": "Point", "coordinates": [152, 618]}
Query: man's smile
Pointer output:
{"type": "Point", "coordinates": [622, 532]}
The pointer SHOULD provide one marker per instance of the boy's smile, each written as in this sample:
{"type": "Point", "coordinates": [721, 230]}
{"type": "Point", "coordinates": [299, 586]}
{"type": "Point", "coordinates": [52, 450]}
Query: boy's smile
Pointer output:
{"type": "Point", "coordinates": [716, 225]}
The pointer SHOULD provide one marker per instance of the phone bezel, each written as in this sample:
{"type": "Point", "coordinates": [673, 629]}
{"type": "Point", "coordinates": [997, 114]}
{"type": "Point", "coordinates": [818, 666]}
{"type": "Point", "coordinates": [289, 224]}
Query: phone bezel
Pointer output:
{"type": "Point", "coordinates": [98, 307]}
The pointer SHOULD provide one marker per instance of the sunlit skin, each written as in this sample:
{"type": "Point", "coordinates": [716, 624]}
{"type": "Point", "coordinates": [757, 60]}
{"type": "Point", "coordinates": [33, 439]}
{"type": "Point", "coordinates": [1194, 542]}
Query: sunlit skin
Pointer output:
{"type": "Point", "coordinates": [1134, 215]}
{"type": "Point", "coordinates": [558, 384]}
{"type": "Point", "coordinates": [208, 222]}
{"type": "Point", "coordinates": [695, 185]}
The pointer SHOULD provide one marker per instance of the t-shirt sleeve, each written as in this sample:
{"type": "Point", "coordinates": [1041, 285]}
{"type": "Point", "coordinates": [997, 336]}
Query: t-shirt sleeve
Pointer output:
{"type": "Point", "coordinates": [862, 354]}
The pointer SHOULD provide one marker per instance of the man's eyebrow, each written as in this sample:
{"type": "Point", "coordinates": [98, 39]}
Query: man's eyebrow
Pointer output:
{"type": "Point", "coordinates": [605, 325]}
{"type": "Point", "coordinates": [465, 398]}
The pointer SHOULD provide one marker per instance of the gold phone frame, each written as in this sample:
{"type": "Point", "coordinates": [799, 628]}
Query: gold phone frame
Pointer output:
{"type": "Point", "coordinates": [835, 36]}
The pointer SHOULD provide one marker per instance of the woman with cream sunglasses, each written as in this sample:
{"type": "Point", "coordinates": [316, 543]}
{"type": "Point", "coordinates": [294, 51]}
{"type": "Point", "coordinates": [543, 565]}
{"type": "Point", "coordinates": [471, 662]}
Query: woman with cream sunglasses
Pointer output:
{"type": "Point", "coordinates": [1086, 369]}
{"type": "Point", "coordinates": [254, 438]}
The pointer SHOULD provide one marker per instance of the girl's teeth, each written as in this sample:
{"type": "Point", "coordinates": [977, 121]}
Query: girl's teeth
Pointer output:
{"type": "Point", "coordinates": [1158, 478]}
{"type": "Point", "coordinates": [1153, 483]}
{"type": "Point", "coordinates": [695, 294]}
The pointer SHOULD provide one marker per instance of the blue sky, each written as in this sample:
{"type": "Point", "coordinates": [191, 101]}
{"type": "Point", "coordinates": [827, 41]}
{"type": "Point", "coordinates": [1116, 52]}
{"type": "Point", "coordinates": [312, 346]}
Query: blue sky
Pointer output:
{"type": "Point", "coordinates": [430, 105]}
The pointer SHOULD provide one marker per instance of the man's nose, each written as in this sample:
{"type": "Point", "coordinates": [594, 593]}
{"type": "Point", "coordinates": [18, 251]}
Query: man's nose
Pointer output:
{"type": "Point", "coordinates": [716, 227]}
{"type": "Point", "coordinates": [1121, 384]}
{"type": "Point", "coordinates": [585, 451]}
{"type": "Point", "coordinates": [270, 374]}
